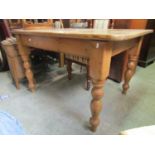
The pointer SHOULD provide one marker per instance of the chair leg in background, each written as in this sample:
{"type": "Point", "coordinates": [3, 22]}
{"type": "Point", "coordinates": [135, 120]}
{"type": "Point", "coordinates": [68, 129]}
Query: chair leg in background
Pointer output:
{"type": "Point", "coordinates": [88, 82]}
{"type": "Point", "coordinates": [69, 69]}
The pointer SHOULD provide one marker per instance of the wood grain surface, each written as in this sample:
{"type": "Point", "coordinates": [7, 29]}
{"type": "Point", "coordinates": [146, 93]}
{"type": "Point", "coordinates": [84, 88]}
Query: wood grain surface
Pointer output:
{"type": "Point", "coordinates": [93, 34]}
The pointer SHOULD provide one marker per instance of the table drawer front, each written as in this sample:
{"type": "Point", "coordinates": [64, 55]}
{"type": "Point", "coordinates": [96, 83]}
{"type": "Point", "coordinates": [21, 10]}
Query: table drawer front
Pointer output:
{"type": "Point", "coordinates": [64, 45]}
{"type": "Point", "coordinates": [40, 42]}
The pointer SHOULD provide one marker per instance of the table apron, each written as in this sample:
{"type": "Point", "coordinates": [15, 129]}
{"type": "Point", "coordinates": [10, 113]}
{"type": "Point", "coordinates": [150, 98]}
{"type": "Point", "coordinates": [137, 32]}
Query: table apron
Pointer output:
{"type": "Point", "coordinates": [121, 46]}
{"type": "Point", "coordinates": [78, 47]}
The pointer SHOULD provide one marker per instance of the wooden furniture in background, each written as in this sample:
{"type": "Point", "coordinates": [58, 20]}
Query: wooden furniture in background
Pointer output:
{"type": "Point", "coordinates": [138, 23]}
{"type": "Point", "coordinates": [147, 54]}
{"type": "Point", "coordinates": [30, 23]}
{"type": "Point", "coordinates": [37, 23]}
{"type": "Point", "coordinates": [98, 46]}
{"type": "Point", "coordinates": [14, 23]}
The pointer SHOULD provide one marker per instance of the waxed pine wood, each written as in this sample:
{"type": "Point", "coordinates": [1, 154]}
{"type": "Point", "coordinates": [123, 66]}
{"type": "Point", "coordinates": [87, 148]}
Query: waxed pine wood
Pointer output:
{"type": "Point", "coordinates": [98, 46]}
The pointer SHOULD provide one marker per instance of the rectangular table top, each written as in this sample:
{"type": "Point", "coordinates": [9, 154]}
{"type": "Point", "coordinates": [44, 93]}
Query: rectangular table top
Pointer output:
{"type": "Point", "coordinates": [92, 34]}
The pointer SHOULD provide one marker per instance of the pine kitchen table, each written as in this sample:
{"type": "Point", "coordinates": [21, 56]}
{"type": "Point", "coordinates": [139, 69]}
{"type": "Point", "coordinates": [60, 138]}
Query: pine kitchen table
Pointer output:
{"type": "Point", "coordinates": [97, 45]}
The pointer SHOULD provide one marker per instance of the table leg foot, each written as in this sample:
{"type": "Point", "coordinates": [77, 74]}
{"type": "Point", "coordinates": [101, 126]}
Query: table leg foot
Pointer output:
{"type": "Point", "coordinates": [32, 90]}
{"type": "Point", "coordinates": [124, 92]}
{"type": "Point", "coordinates": [96, 103]}
{"type": "Point", "coordinates": [94, 124]}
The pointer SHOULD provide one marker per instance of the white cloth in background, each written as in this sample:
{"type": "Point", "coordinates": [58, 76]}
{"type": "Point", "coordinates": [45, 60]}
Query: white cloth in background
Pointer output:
{"type": "Point", "coordinates": [101, 23]}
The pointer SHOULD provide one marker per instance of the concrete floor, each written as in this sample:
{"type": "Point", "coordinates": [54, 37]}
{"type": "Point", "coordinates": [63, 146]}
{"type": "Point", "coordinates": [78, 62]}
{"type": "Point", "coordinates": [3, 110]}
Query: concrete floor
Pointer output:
{"type": "Point", "coordinates": [60, 106]}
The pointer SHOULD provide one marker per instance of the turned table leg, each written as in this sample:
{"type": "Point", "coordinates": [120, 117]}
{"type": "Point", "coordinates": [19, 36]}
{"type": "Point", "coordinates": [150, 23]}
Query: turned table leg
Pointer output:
{"type": "Point", "coordinates": [100, 60]}
{"type": "Point", "coordinates": [24, 53]}
{"type": "Point", "coordinates": [28, 73]}
{"type": "Point", "coordinates": [131, 65]}
{"type": "Point", "coordinates": [96, 103]}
